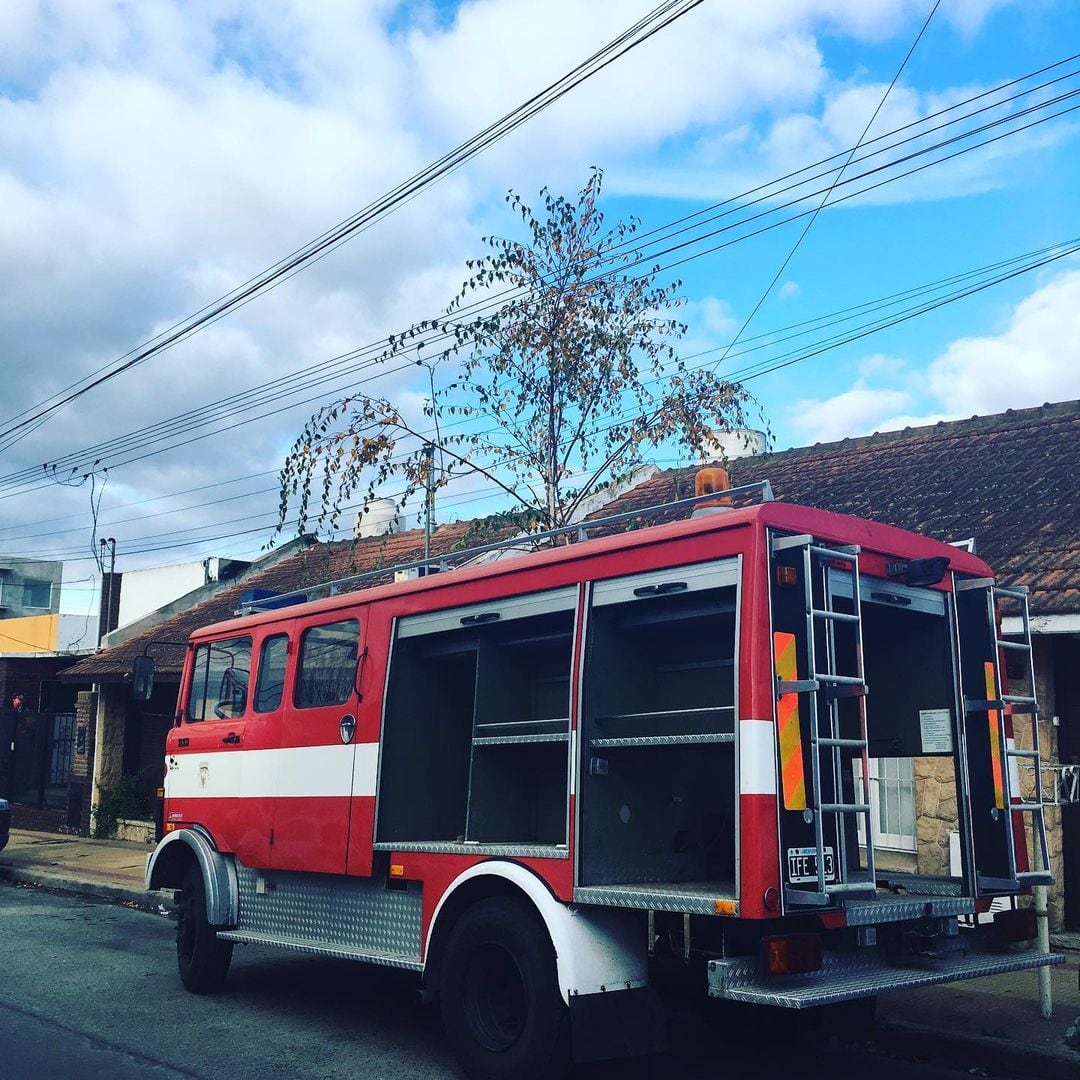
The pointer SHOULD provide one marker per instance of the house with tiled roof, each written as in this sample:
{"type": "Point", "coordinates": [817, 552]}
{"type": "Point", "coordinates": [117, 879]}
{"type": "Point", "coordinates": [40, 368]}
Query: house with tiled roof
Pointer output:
{"type": "Point", "coordinates": [117, 737]}
{"type": "Point", "coordinates": [1003, 484]}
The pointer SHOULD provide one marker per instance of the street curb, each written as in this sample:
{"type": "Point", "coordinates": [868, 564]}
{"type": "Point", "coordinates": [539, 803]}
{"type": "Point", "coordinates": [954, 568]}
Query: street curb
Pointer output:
{"type": "Point", "coordinates": [1000, 1057]}
{"type": "Point", "coordinates": [118, 894]}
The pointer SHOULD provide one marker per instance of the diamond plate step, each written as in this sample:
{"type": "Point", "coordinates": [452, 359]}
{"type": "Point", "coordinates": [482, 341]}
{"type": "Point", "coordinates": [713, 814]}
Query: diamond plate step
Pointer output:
{"type": "Point", "coordinates": [862, 974]}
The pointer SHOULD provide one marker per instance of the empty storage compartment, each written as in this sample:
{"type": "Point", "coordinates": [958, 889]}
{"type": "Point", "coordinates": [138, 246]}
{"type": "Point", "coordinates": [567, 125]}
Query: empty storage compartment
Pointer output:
{"type": "Point", "coordinates": [661, 814]}
{"type": "Point", "coordinates": [426, 738]}
{"type": "Point", "coordinates": [518, 787]}
{"type": "Point", "coordinates": [518, 792]}
{"type": "Point", "coordinates": [477, 724]}
{"type": "Point", "coordinates": [658, 784]}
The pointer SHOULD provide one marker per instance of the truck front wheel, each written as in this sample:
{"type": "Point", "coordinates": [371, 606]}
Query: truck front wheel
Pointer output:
{"type": "Point", "coordinates": [203, 960]}
{"type": "Point", "coordinates": [501, 1005]}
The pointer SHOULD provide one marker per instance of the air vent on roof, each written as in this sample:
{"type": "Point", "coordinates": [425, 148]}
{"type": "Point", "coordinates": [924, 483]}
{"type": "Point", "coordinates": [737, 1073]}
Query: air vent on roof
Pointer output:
{"type": "Point", "coordinates": [379, 518]}
{"type": "Point", "coordinates": [729, 445]}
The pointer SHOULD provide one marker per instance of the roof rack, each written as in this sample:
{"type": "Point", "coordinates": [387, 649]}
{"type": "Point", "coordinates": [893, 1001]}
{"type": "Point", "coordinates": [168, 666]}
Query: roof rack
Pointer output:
{"type": "Point", "coordinates": [579, 531]}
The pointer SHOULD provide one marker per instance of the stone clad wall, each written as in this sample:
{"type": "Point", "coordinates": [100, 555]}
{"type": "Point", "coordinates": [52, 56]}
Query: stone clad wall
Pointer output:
{"type": "Point", "coordinates": [935, 813]}
{"type": "Point", "coordinates": [82, 762]}
{"type": "Point", "coordinates": [109, 745]}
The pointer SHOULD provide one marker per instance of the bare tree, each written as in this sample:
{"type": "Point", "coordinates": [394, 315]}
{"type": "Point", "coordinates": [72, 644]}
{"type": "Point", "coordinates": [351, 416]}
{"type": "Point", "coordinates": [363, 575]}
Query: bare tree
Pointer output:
{"type": "Point", "coordinates": [565, 377]}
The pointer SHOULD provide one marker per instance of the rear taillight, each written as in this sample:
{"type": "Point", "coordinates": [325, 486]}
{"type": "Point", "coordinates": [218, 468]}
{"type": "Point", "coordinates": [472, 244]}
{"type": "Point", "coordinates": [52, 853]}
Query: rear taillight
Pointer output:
{"type": "Point", "coordinates": [791, 954]}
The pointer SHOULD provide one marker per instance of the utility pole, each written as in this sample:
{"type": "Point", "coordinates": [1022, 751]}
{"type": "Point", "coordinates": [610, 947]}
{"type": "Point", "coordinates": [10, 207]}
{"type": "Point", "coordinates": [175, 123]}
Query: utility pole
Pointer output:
{"type": "Point", "coordinates": [106, 615]}
{"type": "Point", "coordinates": [429, 498]}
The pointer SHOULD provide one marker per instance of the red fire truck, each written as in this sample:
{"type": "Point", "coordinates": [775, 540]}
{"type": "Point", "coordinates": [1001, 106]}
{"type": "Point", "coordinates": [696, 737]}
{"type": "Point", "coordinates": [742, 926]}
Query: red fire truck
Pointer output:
{"type": "Point", "coordinates": [554, 783]}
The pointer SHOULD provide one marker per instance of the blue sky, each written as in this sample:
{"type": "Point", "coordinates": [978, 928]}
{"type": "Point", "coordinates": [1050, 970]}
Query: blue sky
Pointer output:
{"type": "Point", "coordinates": [154, 155]}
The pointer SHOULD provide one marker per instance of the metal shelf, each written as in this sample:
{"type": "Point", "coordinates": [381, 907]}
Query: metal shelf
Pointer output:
{"type": "Point", "coordinates": [662, 740]}
{"type": "Point", "coordinates": [517, 740]}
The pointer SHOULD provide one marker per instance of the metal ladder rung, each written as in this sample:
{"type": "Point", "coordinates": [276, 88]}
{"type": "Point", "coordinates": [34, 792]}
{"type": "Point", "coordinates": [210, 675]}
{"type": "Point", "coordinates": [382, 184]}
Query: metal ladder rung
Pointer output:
{"type": "Point", "coordinates": [1026, 807]}
{"type": "Point", "coordinates": [983, 706]}
{"type": "Point", "coordinates": [845, 808]}
{"type": "Point", "coordinates": [850, 555]}
{"type": "Point", "coordinates": [1015, 592]}
{"type": "Point", "coordinates": [837, 616]}
{"type": "Point", "coordinates": [854, 744]}
{"type": "Point", "coordinates": [1033, 754]}
{"type": "Point", "coordinates": [1020, 646]}
{"type": "Point", "coordinates": [1036, 877]}
{"type": "Point", "coordinates": [840, 680]}
{"type": "Point", "coordinates": [851, 886]}
{"type": "Point", "coordinates": [1018, 699]}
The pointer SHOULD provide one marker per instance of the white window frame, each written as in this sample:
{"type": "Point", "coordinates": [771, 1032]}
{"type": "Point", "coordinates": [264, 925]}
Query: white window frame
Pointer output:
{"type": "Point", "coordinates": [905, 838]}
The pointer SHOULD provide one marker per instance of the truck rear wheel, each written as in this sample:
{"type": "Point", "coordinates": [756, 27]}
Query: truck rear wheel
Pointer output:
{"type": "Point", "coordinates": [202, 959]}
{"type": "Point", "coordinates": [501, 1006]}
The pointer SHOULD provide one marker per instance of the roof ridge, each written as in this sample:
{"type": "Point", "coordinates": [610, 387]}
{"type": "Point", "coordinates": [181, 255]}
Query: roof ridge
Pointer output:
{"type": "Point", "coordinates": [1008, 420]}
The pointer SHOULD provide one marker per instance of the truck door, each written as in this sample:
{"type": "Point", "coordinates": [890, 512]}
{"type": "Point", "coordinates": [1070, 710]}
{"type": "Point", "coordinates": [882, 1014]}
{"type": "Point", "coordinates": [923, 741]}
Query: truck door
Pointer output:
{"type": "Point", "coordinates": [205, 760]}
{"type": "Point", "coordinates": [314, 782]}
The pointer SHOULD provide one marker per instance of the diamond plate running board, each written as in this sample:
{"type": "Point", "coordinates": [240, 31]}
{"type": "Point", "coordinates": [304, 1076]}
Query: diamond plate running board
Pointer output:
{"type": "Point", "coordinates": [861, 975]}
{"type": "Point", "coordinates": [319, 948]}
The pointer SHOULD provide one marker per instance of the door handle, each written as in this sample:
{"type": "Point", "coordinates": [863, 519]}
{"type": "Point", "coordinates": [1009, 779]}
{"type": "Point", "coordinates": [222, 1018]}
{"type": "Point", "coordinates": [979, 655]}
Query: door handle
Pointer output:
{"type": "Point", "coordinates": [232, 738]}
{"type": "Point", "coordinates": [665, 588]}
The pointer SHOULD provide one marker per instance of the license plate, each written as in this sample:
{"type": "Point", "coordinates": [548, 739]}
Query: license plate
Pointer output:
{"type": "Point", "coordinates": [802, 865]}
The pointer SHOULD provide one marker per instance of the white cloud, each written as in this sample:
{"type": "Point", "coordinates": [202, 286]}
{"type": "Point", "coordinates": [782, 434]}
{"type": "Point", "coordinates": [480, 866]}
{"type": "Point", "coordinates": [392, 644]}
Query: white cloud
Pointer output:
{"type": "Point", "coordinates": [1036, 358]}
{"type": "Point", "coordinates": [857, 411]}
{"type": "Point", "coordinates": [788, 291]}
{"type": "Point", "coordinates": [879, 364]}
{"type": "Point", "coordinates": [154, 155]}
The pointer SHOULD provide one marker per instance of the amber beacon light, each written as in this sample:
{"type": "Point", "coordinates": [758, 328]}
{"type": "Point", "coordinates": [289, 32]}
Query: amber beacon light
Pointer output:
{"type": "Point", "coordinates": [712, 481]}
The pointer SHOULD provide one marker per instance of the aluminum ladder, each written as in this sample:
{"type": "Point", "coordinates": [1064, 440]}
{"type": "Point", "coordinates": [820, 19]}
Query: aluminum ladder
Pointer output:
{"type": "Point", "coordinates": [1019, 705]}
{"type": "Point", "coordinates": [827, 744]}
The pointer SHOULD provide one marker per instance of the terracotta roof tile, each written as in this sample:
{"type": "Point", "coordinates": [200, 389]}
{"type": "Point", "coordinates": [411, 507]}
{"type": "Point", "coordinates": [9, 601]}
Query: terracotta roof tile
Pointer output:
{"type": "Point", "coordinates": [314, 565]}
{"type": "Point", "coordinates": [1008, 480]}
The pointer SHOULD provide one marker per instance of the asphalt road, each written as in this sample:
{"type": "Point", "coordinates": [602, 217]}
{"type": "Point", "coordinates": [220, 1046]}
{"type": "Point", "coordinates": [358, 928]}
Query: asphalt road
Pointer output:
{"type": "Point", "coordinates": [89, 990]}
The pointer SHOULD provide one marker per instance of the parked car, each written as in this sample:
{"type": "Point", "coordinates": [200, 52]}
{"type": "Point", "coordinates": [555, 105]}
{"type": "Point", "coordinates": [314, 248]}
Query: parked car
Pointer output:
{"type": "Point", "coordinates": [5, 822]}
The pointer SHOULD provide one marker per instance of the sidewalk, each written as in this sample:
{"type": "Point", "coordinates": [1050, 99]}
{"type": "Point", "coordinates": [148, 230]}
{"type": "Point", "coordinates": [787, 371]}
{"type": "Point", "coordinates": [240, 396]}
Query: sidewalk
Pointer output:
{"type": "Point", "coordinates": [109, 869]}
{"type": "Point", "coordinates": [990, 1024]}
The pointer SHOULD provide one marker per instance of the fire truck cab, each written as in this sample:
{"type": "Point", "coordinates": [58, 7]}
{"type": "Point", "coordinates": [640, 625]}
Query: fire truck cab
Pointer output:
{"type": "Point", "coordinates": [554, 783]}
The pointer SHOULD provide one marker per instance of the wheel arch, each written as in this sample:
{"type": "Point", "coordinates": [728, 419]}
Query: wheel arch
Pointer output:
{"type": "Point", "coordinates": [177, 851]}
{"type": "Point", "coordinates": [596, 949]}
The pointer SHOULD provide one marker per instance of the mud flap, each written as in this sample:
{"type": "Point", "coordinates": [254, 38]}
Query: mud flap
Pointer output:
{"type": "Point", "coordinates": [618, 1023]}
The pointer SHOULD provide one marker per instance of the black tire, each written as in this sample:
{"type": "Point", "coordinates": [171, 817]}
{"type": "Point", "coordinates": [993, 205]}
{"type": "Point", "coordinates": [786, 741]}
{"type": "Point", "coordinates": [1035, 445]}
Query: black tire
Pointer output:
{"type": "Point", "coordinates": [501, 1006]}
{"type": "Point", "coordinates": [202, 959]}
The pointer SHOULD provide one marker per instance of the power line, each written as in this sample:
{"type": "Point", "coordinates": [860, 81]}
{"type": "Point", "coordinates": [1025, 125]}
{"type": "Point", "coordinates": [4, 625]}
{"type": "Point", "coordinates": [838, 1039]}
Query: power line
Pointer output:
{"type": "Point", "coordinates": [832, 187]}
{"type": "Point", "coordinates": [1008, 269]}
{"type": "Point", "coordinates": [296, 382]}
{"type": "Point", "coordinates": [660, 17]}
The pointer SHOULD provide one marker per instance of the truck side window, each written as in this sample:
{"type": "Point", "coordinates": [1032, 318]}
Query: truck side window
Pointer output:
{"type": "Point", "coordinates": [327, 670]}
{"type": "Point", "coordinates": [219, 680]}
{"type": "Point", "coordinates": [270, 682]}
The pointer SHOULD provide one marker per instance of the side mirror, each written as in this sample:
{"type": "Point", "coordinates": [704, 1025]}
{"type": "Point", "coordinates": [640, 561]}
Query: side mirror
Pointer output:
{"type": "Point", "coordinates": [142, 678]}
